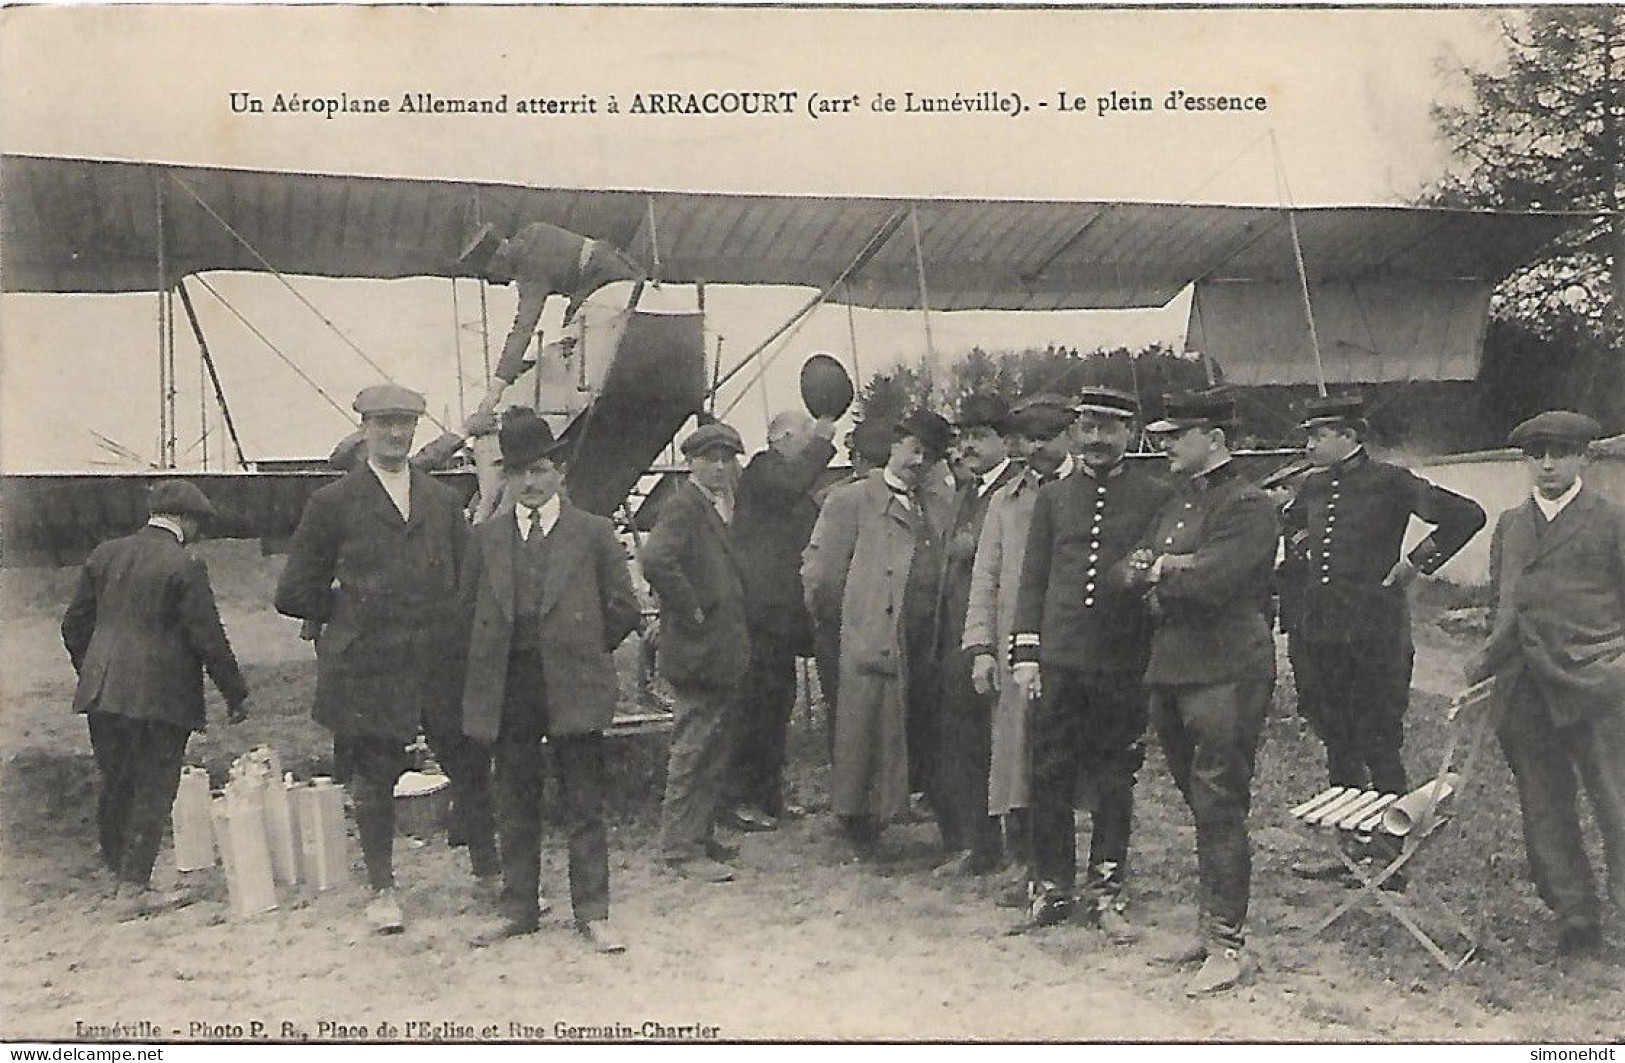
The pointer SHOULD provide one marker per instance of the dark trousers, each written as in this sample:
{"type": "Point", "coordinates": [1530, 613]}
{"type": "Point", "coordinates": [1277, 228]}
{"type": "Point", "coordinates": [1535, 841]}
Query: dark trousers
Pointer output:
{"type": "Point", "coordinates": [696, 769]}
{"type": "Point", "coordinates": [1090, 723]}
{"type": "Point", "coordinates": [1546, 760]}
{"type": "Point", "coordinates": [1361, 690]}
{"type": "Point", "coordinates": [578, 761]}
{"type": "Point", "coordinates": [964, 752]}
{"type": "Point", "coordinates": [140, 766]}
{"type": "Point", "coordinates": [1210, 736]}
{"type": "Point", "coordinates": [369, 765]}
{"type": "Point", "coordinates": [762, 716]}
{"type": "Point", "coordinates": [827, 648]}
{"type": "Point", "coordinates": [467, 764]}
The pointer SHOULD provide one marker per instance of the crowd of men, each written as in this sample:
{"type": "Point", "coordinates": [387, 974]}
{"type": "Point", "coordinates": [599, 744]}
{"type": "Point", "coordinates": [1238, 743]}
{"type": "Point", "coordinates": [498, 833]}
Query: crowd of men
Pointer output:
{"type": "Point", "coordinates": [1001, 609]}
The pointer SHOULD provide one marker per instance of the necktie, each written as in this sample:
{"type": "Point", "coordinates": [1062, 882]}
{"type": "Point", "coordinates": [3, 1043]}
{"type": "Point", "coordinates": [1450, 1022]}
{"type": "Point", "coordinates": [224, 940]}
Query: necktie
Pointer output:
{"type": "Point", "coordinates": [534, 531]}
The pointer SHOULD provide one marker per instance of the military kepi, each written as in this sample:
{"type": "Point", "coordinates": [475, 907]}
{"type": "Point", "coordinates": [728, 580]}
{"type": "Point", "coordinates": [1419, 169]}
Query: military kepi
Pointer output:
{"type": "Point", "coordinates": [1556, 426]}
{"type": "Point", "coordinates": [177, 498]}
{"type": "Point", "coordinates": [713, 436]}
{"type": "Point", "coordinates": [1109, 401]}
{"type": "Point", "coordinates": [389, 399]}
{"type": "Point", "coordinates": [1213, 408]}
{"type": "Point", "coordinates": [1333, 410]}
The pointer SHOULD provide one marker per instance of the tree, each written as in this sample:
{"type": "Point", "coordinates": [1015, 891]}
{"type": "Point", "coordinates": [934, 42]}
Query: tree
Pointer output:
{"type": "Point", "coordinates": [1547, 132]}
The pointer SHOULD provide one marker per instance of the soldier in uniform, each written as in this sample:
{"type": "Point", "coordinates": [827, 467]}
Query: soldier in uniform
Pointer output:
{"type": "Point", "coordinates": [971, 837]}
{"type": "Point", "coordinates": [1355, 617]}
{"type": "Point", "coordinates": [374, 561]}
{"type": "Point", "coordinates": [1205, 569]}
{"type": "Point", "coordinates": [1557, 652]}
{"type": "Point", "coordinates": [1081, 639]}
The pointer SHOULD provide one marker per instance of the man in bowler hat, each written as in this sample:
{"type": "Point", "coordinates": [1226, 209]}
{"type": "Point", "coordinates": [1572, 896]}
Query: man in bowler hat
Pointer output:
{"type": "Point", "coordinates": [547, 595]}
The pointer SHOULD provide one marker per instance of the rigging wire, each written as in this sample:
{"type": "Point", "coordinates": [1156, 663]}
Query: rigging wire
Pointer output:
{"type": "Point", "coordinates": [275, 350]}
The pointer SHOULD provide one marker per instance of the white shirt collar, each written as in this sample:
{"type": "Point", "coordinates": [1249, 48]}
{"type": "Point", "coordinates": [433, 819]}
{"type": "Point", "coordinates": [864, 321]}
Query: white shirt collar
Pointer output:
{"type": "Point", "coordinates": [1551, 507]}
{"type": "Point", "coordinates": [549, 511]}
{"type": "Point", "coordinates": [721, 501]}
{"type": "Point", "coordinates": [987, 479]}
{"type": "Point", "coordinates": [896, 486]}
{"type": "Point", "coordinates": [168, 526]}
{"type": "Point", "coordinates": [397, 485]}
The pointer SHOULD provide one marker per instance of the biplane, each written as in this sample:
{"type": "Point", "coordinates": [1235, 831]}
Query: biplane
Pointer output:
{"type": "Point", "coordinates": [1280, 294]}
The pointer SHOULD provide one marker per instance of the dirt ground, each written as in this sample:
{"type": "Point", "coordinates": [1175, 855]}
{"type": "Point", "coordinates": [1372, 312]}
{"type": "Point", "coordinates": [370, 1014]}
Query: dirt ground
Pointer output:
{"type": "Point", "coordinates": [801, 946]}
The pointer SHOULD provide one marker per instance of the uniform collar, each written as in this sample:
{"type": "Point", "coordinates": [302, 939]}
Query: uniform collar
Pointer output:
{"type": "Point", "coordinates": [168, 526]}
{"type": "Point", "coordinates": [1089, 470]}
{"type": "Point", "coordinates": [1215, 475]}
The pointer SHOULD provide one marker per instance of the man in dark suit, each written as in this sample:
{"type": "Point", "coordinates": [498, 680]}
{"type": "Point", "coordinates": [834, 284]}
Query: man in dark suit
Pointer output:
{"type": "Point", "coordinates": [1557, 652]}
{"type": "Point", "coordinates": [1205, 569]}
{"type": "Point", "coordinates": [690, 563]}
{"type": "Point", "coordinates": [971, 838]}
{"type": "Point", "coordinates": [774, 517]}
{"type": "Point", "coordinates": [375, 562]}
{"type": "Point", "coordinates": [547, 595]}
{"type": "Point", "coordinates": [1079, 646]}
{"type": "Point", "coordinates": [1353, 614]}
{"type": "Point", "coordinates": [141, 629]}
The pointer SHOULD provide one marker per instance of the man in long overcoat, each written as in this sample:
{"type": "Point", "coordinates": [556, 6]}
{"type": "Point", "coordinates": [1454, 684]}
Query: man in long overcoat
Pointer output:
{"type": "Point", "coordinates": [774, 519]}
{"type": "Point", "coordinates": [1039, 428]}
{"type": "Point", "coordinates": [971, 838]}
{"type": "Point", "coordinates": [141, 630]}
{"type": "Point", "coordinates": [375, 561]}
{"type": "Point", "coordinates": [1557, 652]}
{"type": "Point", "coordinates": [690, 563]}
{"type": "Point", "coordinates": [858, 570]}
{"type": "Point", "coordinates": [547, 594]}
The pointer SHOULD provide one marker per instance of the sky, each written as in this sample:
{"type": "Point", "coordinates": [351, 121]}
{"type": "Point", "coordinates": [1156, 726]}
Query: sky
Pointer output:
{"type": "Point", "coordinates": [1348, 96]}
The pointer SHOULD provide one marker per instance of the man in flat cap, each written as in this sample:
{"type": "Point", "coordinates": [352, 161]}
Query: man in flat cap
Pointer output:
{"type": "Point", "coordinates": [1355, 616]}
{"type": "Point", "coordinates": [547, 596]}
{"type": "Point", "coordinates": [375, 561]}
{"type": "Point", "coordinates": [141, 630]}
{"type": "Point", "coordinates": [690, 562]}
{"type": "Point", "coordinates": [542, 260]}
{"type": "Point", "coordinates": [971, 838]}
{"type": "Point", "coordinates": [1078, 649]}
{"type": "Point", "coordinates": [775, 514]}
{"type": "Point", "coordinates": [869, 568]}
{"type": "Point", "coordinates": [1205, 569]}
{"type": "Point", "coordinates": [1557, 653]}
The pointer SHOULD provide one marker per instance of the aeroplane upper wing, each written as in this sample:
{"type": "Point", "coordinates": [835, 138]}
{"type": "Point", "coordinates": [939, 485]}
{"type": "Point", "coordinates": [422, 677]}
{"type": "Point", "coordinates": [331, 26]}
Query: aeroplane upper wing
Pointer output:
{"type": "Point", "coordinates": [82, 225]}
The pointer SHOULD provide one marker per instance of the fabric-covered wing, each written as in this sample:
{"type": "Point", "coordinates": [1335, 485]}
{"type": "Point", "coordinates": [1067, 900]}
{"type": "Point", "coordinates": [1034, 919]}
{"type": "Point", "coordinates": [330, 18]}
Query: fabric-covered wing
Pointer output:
{"type": "Point", "coordinates": [80, 225]}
